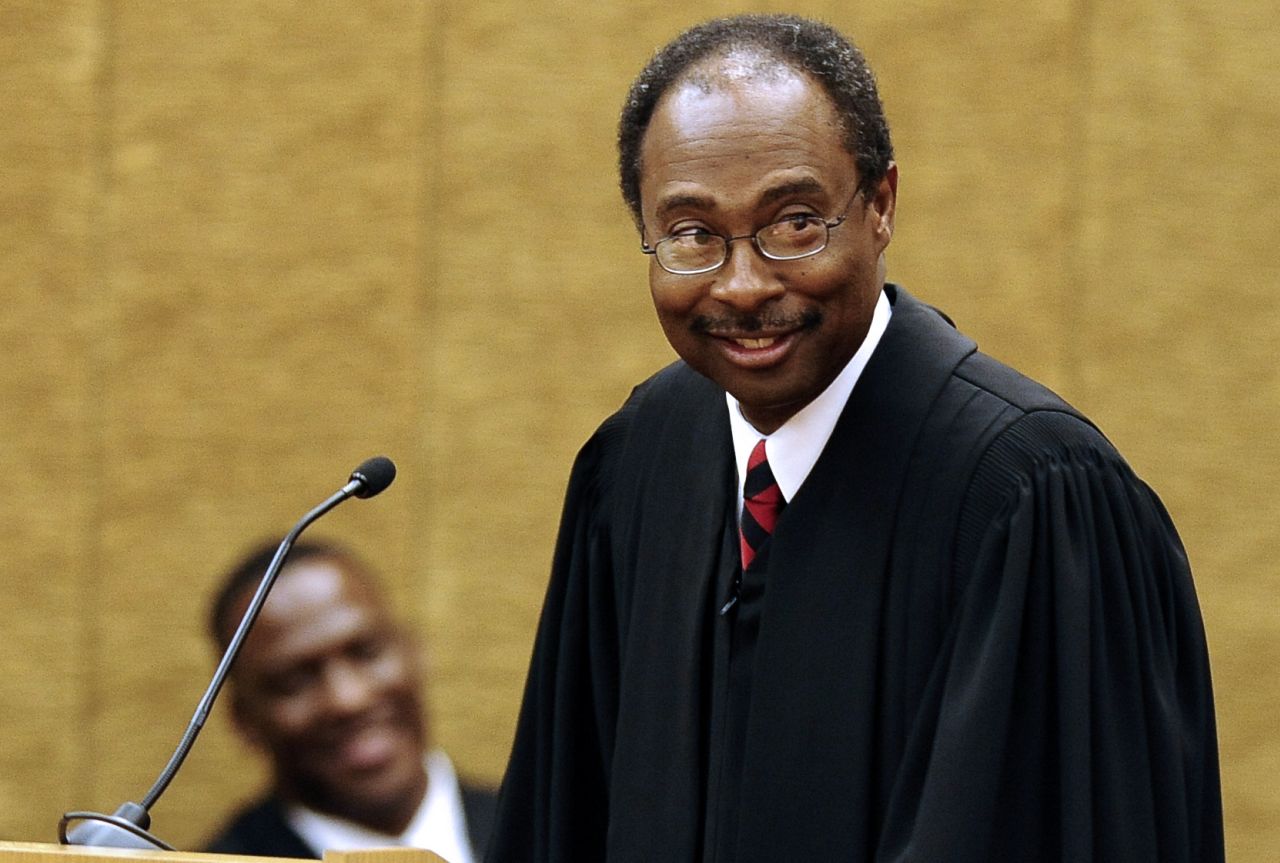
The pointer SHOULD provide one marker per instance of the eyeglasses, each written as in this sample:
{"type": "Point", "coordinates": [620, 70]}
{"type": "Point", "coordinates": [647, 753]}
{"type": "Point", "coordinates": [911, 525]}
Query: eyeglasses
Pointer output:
{"type": "Point", "coordinates": [788, 239]}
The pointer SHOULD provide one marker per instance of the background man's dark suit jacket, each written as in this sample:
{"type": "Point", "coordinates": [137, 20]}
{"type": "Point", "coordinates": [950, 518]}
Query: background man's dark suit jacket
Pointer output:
{"type": "Point", "coordinates": [261, 829]}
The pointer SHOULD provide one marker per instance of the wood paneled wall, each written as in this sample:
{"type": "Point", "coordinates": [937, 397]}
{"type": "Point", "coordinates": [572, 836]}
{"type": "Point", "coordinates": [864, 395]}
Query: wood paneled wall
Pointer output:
{"type": "Point", "coordinates": [246, 244]}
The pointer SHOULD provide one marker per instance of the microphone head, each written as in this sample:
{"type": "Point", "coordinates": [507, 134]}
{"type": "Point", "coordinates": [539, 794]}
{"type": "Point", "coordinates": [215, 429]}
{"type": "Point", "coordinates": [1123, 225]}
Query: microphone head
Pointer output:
{"type": "Point", "coordinates": [374, 475]}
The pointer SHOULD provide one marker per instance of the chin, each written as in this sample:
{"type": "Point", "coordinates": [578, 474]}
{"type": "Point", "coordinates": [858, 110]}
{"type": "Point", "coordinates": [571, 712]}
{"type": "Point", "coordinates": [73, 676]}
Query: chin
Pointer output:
{"type": "Point", "coordinates": [769, 397]}
{"type": "Point", "coordinates": [372, 798]}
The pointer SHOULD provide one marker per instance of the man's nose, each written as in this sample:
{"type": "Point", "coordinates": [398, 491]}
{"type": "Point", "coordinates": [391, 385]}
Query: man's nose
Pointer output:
{"type": "Point", "coordinates": [348, 689]}
{"type": "Point", "coordinates": [747, 278]}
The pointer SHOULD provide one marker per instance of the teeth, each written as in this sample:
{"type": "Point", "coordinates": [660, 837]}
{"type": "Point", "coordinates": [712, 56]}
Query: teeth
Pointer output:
{"type": "Point", "coordinates": [755, 344]}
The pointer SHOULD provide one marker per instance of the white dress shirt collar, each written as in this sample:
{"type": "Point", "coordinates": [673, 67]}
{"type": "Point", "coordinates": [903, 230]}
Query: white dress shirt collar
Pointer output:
{"type": "Point", "coordinates": [440, 824]}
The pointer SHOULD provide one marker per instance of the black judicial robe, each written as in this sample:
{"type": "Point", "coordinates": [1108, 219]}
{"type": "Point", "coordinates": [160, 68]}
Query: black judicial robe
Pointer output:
{"type": "Point", "coordinates": [975, 639]}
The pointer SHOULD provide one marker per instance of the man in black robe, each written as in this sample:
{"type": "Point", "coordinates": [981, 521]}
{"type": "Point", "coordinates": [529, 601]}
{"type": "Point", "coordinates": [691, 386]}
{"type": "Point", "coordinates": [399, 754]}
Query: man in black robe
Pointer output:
{"type": "Point", "coordinates": [971, 634]}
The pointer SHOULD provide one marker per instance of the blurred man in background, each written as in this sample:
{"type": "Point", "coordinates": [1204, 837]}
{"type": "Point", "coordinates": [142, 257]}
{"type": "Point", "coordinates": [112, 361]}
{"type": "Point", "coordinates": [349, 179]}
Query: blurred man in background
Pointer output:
{"type": "Point", "coordinates": [328, 687]}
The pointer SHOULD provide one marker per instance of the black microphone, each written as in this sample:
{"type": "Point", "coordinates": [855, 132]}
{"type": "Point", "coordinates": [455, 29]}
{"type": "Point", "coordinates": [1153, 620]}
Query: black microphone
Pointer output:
{"type": "Point", "coordinates": [373, 476]}
{"type": "Point", "coordinates": [128, 826]}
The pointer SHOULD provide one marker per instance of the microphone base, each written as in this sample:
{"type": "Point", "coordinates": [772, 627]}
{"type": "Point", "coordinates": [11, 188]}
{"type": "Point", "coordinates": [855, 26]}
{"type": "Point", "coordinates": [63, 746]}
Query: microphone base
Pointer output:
{"type": "Point", "coordinates": [127, 828]}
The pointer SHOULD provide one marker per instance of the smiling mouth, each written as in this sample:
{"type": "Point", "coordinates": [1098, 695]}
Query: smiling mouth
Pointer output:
{"type": "Point", "coordinates": [756, 344]}
{"type": "Point", "coordinates": [370, 747]}
{"type": "Point", "coordinates": [757, 353]}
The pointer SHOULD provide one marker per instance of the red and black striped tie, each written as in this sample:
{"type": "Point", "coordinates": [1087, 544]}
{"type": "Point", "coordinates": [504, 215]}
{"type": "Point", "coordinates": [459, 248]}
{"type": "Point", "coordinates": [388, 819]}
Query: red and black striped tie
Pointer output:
{"type": "Point", "coordinates": [761, 504]}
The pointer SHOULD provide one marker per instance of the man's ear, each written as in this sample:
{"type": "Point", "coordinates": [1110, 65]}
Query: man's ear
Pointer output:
{"type": "Point", "coordinates": [884, 203]}
{"type": "Point", "coordinates": [242, 720]}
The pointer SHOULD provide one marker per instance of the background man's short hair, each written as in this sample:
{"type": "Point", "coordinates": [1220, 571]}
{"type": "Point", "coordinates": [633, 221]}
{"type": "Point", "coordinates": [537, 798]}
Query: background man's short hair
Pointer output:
{"type": "Point", "coordinates": [244, 578]}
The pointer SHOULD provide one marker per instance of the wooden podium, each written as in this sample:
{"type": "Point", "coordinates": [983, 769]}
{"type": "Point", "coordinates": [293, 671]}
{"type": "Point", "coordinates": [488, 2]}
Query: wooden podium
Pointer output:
{"type": "Point", "coordinates": [35, 852]}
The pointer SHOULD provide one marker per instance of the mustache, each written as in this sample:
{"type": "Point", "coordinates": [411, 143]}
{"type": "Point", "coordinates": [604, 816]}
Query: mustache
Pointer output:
{"type": "Point", "coordinates": [754, 323]}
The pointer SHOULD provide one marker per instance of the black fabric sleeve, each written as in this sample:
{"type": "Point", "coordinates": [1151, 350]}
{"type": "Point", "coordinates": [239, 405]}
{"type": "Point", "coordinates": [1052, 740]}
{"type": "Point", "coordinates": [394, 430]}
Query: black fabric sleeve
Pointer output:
{"type": "Point", "coordinates": [553, 805]}
{"type": "Point", "coordinates": [1070, 714]}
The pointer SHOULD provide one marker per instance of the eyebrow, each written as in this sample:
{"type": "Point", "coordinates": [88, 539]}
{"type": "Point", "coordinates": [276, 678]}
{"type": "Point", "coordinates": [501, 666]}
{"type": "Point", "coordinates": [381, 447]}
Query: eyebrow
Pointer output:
{"type": "Point", "coordinates": [675, 202]}
{"type": "Point", "coordinates": [805, 185]}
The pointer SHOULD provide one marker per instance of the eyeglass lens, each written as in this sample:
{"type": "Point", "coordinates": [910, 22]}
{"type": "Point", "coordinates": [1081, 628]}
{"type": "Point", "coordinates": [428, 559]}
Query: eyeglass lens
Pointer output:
{"type": "Point", "coordinates": [783, 240]}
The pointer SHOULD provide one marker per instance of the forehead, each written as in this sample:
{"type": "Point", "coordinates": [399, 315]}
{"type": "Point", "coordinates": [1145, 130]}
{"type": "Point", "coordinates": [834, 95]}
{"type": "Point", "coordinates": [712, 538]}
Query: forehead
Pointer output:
{"type": "Point", "coordinates": [733, 132]}
{"type": "Point", "coordinates": [314, 605]}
